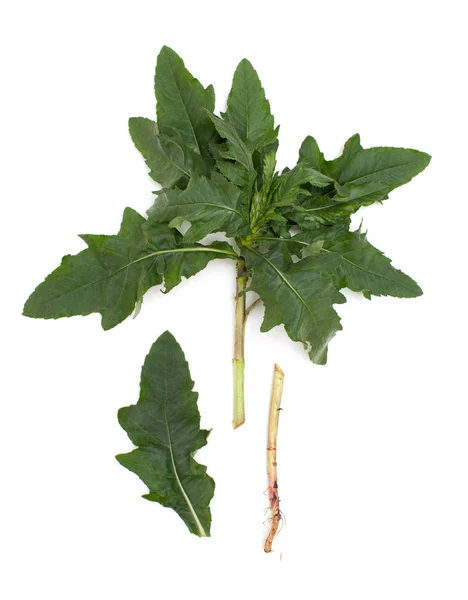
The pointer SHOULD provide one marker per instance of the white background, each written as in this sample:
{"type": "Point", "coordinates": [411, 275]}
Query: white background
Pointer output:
{"type": "Point", "coordinates": [373, 448]}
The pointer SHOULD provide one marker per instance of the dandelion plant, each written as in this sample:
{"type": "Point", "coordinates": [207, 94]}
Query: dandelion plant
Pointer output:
{"type": "Point", "coordinates": [289, 232]}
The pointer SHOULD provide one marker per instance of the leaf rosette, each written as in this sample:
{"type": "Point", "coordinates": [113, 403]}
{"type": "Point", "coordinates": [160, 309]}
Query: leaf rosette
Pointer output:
{"type": "Point", "coordinates": [288, 230]}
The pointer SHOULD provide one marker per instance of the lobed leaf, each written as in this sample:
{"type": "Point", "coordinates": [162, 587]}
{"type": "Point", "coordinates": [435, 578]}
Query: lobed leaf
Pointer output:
{"type": "Point", "coordinates": [165, 427]}
{"type": "Point", "coordinates": [367, 175]}
{"type": "Point", "coordinates": [296, 295]}
{"type": "Point", "coordinates": [388, 167]}
{"type": "Point", "coordinates": [361, 266]}
{"type": "Point", "coordinates": [235, 150]}
{"type": "Point", "coordinates": [210, 205]}
{"type": "Point", "coordinates": [111, 276]}
{"type": "Point", "coordinates": [164, 157]}
{"type": "Point", "coordinates": [235, 173]}
{"type": "Point", "coordinates": [310, 154]}
{"type": "Point", "coordinates": [182, 102]}
{"type": "Point", "coordinates": [249, 110]}
{"type": "Point", "coordinates": [316, 211]}
{"type": "Point", "coordinates": [335, 167]}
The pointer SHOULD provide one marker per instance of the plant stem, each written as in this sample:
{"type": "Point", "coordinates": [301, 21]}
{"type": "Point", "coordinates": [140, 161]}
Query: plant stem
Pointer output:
{"type": "Point", "coordinates": [238, 360]}
{"type": "Point", "coordinates": [275, 407]}
{"type": "Point", "coordinates": [247, 312]}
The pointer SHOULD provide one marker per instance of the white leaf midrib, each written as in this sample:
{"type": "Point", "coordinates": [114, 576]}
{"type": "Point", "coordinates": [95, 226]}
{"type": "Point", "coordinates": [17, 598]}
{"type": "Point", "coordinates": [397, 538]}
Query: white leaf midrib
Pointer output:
{"type": "Point", "coordinates": [174, 467]}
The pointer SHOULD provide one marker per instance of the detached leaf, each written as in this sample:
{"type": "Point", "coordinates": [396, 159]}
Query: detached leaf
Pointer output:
{"type": "Point", "coordinates": [164, 157]}
{"type": "Point", "coordinates": [296, 295]}
{"type": "Point", "coordinates": [210, 205]}
{"type": "Point", "coordinates": [111, 276]}
{"type": "Point", "coordinates": [361, 267]}
{"type": "Point", "coordinates": [182, 102]}
{"type": "Point", "coordinates": [165, 427]}
{"type": "Point", "coordinates": [249, 110]}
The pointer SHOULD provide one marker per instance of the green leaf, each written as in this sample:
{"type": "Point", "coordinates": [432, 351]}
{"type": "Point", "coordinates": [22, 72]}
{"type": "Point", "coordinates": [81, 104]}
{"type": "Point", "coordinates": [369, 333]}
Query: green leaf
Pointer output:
{"type": "Point", "coordinates": [178, 258]}
{"type": "Point", "coordinates": [322, 210]}
{"type": "Point", "coordinates": [210, 205]}
{"type": "Point", "coordinates": [365, 175]}
{"type": "Point", "coordinates": [195, 164]}
{"type": "Point", "coordinates": [370, 174]}
{"type": "Point", "coordinates": [236, 149]}
{"type": "Point", "coordinates": [165, 427]}
{"type": "Point", "coordinates": [361, 267]}
{"type": "Point", "coordinates": [284, 190]}
{"type": "Point", "coordinates": [390, 167]}
{"type": "Point", "coordinates": [181, 102]}
{"type": "Point", "coordinates": [261, 207]}
{"type": "Point", "coordinates": [296, 295]}
{"type": "Point", "coordinates": [334, 168]}
{"type": "Point", "coordinates": [310, 154]}
{"type": "Point", "coordinates": [249, 110]}
{"type": "Point", "coordinates": [290, 182]}
{"type": "Point", "coordinates": [112, 274]}
{"type": "Point", "coordinates": [269, 169]}
{"type": "Point", "coordinates": [164, 157]}
{"type": "Point", "coordinates": [235, 173]}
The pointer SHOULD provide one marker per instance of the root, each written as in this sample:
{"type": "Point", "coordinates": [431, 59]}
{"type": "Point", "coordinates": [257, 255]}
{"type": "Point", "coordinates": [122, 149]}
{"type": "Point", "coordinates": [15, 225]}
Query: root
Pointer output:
{"type": "Point", "coordinates": [276, 519]}
{"type": "Point", "coordinates": [276, 515]}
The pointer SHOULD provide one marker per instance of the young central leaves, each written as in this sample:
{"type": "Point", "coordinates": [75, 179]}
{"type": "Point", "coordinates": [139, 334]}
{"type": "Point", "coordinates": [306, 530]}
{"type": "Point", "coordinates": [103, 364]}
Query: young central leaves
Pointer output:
{"type": "Point", "coordinates": [115, 271]}
{"type": "Point", "coordinates": [165, 427]}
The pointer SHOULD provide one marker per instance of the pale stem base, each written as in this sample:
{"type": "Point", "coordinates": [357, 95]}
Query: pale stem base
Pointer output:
{"type": "Point", "coordinates": [238, 360]}
{"type": "Point", "coordinates": [239, 405]}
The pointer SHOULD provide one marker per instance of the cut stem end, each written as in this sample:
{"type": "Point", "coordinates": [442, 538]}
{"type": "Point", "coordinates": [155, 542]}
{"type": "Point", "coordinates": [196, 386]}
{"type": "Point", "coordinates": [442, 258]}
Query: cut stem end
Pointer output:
{"type": "Point", "coordinates": [239, 405]}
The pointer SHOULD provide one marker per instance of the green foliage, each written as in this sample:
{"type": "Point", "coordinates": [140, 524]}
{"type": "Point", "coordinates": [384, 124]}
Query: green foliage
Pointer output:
{"type": "Point", "coordinates": [211, 205]}
{"type": "Point", "coordinates": [180, 102]}
{"type": "Point", "coordinates": [296, 295]}
{"type": "Point", "coordinates": [360, 267]}
{"type": "Point", "coordinates": [249, 110]}
{"type": "Point", "coordinates": [115, 271]}
{"type": "Point", "coordinates": [164, 425]}
{"type": "Point", "coordinates": [219, 174]}
{"type": "Point", "coordinates": [164, 156]}
{"type": "Point", "coordinates": [290, 233]}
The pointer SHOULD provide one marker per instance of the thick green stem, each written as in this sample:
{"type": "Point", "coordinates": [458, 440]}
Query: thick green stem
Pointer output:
{"type": "Point", "coordinates": [238, 360]}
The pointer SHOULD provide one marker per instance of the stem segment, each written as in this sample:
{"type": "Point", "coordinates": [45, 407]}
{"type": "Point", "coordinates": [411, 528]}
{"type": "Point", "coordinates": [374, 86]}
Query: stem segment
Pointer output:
{"type": "Point", "coordinates": [238, 360]}
{"type": "Point", "coordinates": [275, 407]}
